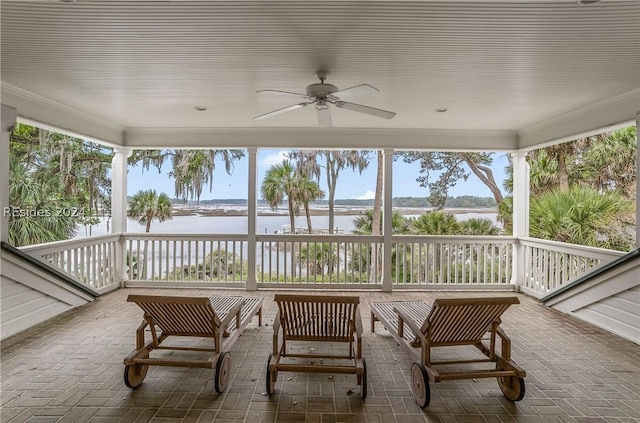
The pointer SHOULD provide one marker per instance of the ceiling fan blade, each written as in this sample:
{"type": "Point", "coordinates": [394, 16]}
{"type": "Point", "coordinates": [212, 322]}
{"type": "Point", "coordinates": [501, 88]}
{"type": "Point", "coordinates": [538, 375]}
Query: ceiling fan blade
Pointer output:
{"type": "Point", "coordinates": [352, 92]}
{"type": "Point", "coordinates": [385, 114]}
{"type": "Point", "coordinates": [324, 117]}
{"type": "Point", "coordinates": [283, 110]}
{"type": "Point", "coordinates": [282, 93]}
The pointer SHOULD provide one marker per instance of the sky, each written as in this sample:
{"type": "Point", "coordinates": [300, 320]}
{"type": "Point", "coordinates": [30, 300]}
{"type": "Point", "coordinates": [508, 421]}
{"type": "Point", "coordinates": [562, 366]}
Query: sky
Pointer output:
{"type": "Point", "coordinates": [350, 184]}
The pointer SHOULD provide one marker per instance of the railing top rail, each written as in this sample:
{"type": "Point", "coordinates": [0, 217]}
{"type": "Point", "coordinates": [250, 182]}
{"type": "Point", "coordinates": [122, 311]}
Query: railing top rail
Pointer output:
{"type": "Point", "coordinates": [68, 244]}
{"type": "Point", "coordinates": [320, 238]}
{"type": "Point", "coordinates": [463, 239]}
{"type": "Point", "coordinates": [580, 250]}
{"type": "Point", "coordinates": [184, 237]}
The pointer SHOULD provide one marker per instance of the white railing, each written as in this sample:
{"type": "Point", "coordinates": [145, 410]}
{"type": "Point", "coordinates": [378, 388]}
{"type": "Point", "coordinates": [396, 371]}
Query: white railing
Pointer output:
{"type": "Point", "coordinates": [186, 258]}
{"type": "Point", "coordinates": [451, 260]}
{"type": "Point", "coordinates": [548, 264]}
{"type": "Point", "coordinates": [318, 259]}
{"type": "Point", "coordinates": [347, 261]}
{"type": "Point", "coordinates": [90, 261]}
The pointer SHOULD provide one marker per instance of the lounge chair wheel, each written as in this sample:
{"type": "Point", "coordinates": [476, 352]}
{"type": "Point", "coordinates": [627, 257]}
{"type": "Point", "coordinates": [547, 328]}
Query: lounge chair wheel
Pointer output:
{"type": "Point", "coordinates": [363, 388]}
{"type": "Point", "coordinates": [512, 387]}
{"type": "Point", "coordinates": [222, 371]}
{"type": "Point", "coordinates": [420, 385]}
{"type": "Point", "coordinates": [271, 378]}
{"type": "Point", "coordinates": [134, 374]}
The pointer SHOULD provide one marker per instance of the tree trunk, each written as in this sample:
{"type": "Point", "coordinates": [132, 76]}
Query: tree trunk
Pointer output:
{"type": "Point", "coordinates": [292, 218]}
{"type": "Point", "coordinates": [308, 213]}
{"type": "Point", "coordinates": [485, 174]}
{"type": "Point", "coordinates": [563, 175]}
{"type": "Point", "coordinates": [331, 186]}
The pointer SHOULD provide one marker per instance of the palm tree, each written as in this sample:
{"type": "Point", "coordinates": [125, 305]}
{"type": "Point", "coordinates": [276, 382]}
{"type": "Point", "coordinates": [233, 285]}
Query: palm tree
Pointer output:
{"type": "Point", "coordinates": [308, 191]}
{"type": "Point", "coordinates": [318, 257]}
{"type": "Point", "coordinates": [543, 172]}
{"type": "Point", "coordinates": [581, 216]}
{"type": "Point", "coordinates": [40, 210]}
{"type": "Point", "coordinates": [335, 161]}
{"type": "Point", "coordinates": [435, 223]}
{"type": "Point", "coordinates": [610, 163]}
{"type": "Point", "coordinates": [363, 223]}
{"type": "Point", "coordinates": [479, 226]}
{"type": "Point", "coordinates": [282, 181]}
{"type": "Point", "coordinates": [147, 206]}
{"type": "Point", "coordinates": [367, 259]}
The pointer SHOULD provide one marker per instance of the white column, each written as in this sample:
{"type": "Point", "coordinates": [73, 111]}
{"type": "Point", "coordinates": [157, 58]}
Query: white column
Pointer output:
{"type": "Point", "coordinates": [119, 207]}
{"type": "Point", "coordinates": [387, 226]}
{"type": "Point", "coordinates": [252, 215]}
{"type": "Point", "coordinates": [520, 213]}
{"type": "Point", "coordinates": [8, 122]}
{"type": "Point", "coordinates": [637, 185]}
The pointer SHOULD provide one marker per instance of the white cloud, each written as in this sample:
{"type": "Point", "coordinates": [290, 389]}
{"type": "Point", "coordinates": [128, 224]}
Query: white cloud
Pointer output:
{"type": "Point", "coordinates": [273, 158]}
{"type": "Point", "coordinates": [369, 195]}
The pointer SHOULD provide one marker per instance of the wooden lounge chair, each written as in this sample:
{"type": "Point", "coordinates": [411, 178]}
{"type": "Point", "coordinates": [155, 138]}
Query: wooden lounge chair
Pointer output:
{"type": "Point", "coordinates": [308, 318]}
{"type": "Point", "coordinates": [452, 322]}
{"type": "Point", "coordinates": [220, 318]}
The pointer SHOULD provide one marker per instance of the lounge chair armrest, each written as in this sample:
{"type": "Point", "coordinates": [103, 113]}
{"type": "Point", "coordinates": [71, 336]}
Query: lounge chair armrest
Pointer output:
{"type": "Point", "coordinates": [407, 320]}
{"type": "Point", "coordinates": [358, 325]}
{"type": "Point", "coordinates": [276, 331]}
{"type": "Point", "coordinates": [234, 313]}
{"type": "Point", "coordinates": [358, 335]}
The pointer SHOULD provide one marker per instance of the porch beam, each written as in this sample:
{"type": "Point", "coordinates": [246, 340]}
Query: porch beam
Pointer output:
{"type": "Point", "coordinates": [327, 138]}
{"type": "Point", "coordinates": [47, 114]}
{"type": "Point", "coordinates": [387, 225]}
{"type": "Point", "coordinates": [252, 216]}
{"type": "Point", "coordinates": [611, 114]}
{"type": "Point", "coordinates": [520, 213]}
{"type": "Point", "coordinates": [8, 123]}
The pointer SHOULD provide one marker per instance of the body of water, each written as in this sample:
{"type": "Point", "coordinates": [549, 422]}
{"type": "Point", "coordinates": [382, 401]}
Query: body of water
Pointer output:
{"type": "Point", "coordinates": [238, 224]}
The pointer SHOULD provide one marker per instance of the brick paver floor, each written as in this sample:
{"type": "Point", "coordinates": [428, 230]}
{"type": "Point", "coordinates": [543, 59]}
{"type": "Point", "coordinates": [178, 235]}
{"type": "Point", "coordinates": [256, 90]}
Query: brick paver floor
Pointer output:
{"type": "Point", "coordinates": [70, 370]}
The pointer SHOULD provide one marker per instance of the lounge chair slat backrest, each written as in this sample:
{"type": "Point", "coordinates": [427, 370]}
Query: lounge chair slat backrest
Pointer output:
{"type": "Point", "coordinates": [452, 321]}
{"type": "Point", "coordinates": [183, 315]}
{"type": "Point", "coordinates": [322, 318]}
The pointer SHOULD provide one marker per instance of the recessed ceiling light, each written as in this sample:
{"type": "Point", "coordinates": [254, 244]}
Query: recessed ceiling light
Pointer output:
{"type": "Point", "coordinates": [587, 2]}
{"type": "Point", "coordinates": [201, 108]}
{"type": "Point", "coordinates": [441, 109]}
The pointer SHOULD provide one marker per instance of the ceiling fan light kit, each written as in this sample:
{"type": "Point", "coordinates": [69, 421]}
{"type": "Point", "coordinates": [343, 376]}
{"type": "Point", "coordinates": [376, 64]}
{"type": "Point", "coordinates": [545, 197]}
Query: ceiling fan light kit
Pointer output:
{"type": "Point", "coordinates": [322, 94]}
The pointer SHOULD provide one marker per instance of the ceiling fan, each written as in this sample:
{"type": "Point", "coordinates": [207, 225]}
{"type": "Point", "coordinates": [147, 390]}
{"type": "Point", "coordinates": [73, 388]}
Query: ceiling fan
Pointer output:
{"type": "Point", "coordinates": [322, 95]}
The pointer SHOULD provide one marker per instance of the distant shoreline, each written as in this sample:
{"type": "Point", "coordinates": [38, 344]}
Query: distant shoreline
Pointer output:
{"type": "Point", "coordinates": [215, 211]}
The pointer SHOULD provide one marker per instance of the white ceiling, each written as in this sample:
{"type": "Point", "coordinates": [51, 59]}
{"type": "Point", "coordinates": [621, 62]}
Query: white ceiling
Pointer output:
{"type": "Point", "coordinates": [121, 71]}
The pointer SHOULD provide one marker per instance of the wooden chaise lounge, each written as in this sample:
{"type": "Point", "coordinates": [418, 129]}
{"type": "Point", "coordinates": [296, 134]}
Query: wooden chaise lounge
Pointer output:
{"type": "Point", "coordinates": [452, 322]}
{"type": "Point", "coordinates": [220, 318]}
{"type": "Point", "coordinates": [312, 318]}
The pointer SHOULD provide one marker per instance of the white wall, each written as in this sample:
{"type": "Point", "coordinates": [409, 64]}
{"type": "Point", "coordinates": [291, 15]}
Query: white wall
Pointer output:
{"type": "Point", "coordinates": [610, 301]}
{"type": "Point", "coordinates": [29, 295]}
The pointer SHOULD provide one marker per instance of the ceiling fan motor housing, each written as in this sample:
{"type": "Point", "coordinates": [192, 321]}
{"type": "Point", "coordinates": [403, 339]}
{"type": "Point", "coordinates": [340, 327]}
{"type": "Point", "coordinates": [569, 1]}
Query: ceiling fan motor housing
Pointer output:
{"type": "Point", "coordinates": [320, 90]}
